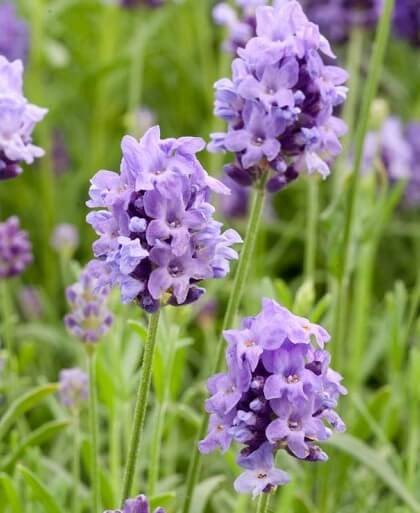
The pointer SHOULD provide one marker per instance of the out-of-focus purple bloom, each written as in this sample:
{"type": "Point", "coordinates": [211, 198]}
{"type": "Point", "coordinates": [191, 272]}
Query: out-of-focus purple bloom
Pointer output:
{"type": "Point", "coordinates": [17, 121]}
{"type": "Point", "coordinates": [144, 118]}
{"type": "Point", "coordinates": [73, 387]}
{"type": "Point", "coordinates": [89, 318]}
{"type": "Point", "coordinates": [279, 393]}
{"type": "Point", "coordinates": [15, 248]}
{"type": "Point", "coordinates": [407, 20]}
{"type": "Point", "coordinates": [131, 4]}
{"type": "Point", "coordinates": [280, 102]}
{"type": "Point", "coordinates": [138, 505]}
{"type": "Point", "coordinates": [14, 36]}
{"type": "Point", "coordinates": [65, 239]}
{"type": "Point", "coordinates": [157, 235]}
{"type": "Point", "coordinates": [30, 303]}
{"type": "Point", "coordinates": [59, 153]}
{"type": "Point", "coordinates": [236, 204]}
{"type": "Point", "coordinates": [395, 148]}
{"type": "Point", "coordinates": [337, 18]}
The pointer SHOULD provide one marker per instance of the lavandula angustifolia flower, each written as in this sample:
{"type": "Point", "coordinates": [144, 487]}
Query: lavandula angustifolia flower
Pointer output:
{"type": "Point", "coordinates": [337, 18]}
{"type": "Point", "coordinates": [157, 235]}
{"type": "Point", "coordinates": [138, 505]}
{"type": "Point", "coordinates": [280, 103]}
{"type": "Point", "coordinates": [89, 318]}
{"type": "Point", "coordinates": [278, 393]}
{"type": "Point", "coordinates": [17, 120]}
{"type": "Point", "coordinates": [65, 239]}
{"type": "Point", "coordinates": [73, 387]}
{"type": "Point", "coordinates": [407, 20]}
{"type": "Point", "coordinates": [14, 36]}
{"type": "Point", "coordinates": [15, 249]}
{"type": "Point", "coordinates": [30, 303]}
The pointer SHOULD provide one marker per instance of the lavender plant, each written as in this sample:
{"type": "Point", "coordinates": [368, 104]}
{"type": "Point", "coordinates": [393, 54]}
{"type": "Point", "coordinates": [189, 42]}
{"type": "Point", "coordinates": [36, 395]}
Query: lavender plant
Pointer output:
{"type": "Point", "coordinates": [18, 118]}
{"type": "Point", "coordinates": [14, 33]}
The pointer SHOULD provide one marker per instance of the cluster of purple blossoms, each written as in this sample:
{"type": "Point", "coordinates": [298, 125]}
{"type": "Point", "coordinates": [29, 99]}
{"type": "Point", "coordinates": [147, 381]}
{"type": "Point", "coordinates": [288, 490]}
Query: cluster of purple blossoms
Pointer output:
{"type": "Point", "coordinates": [396, 149]}
{"type": "Point", "coordinates": [14, 36]}
{"type": "Point", "coordinates": [279, 104]}
{"type": "Point", "coordinates": [138, 505]}
{"type": "Point", "coordinates": [278, 393]}
{"type": "Point", "coordinates": [15, 249]}
{"type": "Point", "coordinates": [30, 303]}
{"type": "Point", "coordinates": [407, 20]}
{"type": "Point", "coordinates": [89, 318]}
{"type": "Point", "coordinates": [73, 387]}
{"type": "Point", "coordinates": [17, 121]}
{"type": "Point", "coordinates": [337, 18]}
{"type": "Point", "coordinates": [65, 238]}
{"type": "Point", "coordinates": [157, 235]}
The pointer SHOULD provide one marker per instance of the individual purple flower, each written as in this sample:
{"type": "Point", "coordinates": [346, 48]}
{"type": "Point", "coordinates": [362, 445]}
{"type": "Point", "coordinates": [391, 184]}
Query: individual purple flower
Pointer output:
{"type": "Point", "coordinates": [138, 505]}
{"type": "Point", "coordinates": [280, 103]}
{"type": "Point", "coordinates": [337, 18]}
{"type": "Point", "coordinates": [157, 236]}
{"type": "Point", "coordinates": [17, 120]}
{"type": "Point", "coordinates": [407, 20]}
{"type": "Point", "coordinates": [279, 392]}
{"type": "Point", "coordinates": [15, 248]}
{"type": "Point", "coordinates": [14, 36]}
{"type": "Point", "coordinates": [73, 387]}
{"type": "Point", "coordinates": [89, 318]}
{"type": "Point", "coordinates": [141, 120]}
{"type": "Point", "coordinates": [65, 238]}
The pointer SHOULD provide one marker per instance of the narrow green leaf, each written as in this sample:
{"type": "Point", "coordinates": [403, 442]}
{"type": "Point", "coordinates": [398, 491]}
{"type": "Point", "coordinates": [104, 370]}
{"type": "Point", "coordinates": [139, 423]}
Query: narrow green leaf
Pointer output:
{"type": "Point", "coordinates": [40, 491]}
{"type": "Point", "coordinates": [203, 492]}
{"type": "Point", "coordinates": [370, 458]}
{"type": "Point", "coordinates": [162, 500]}
{"type": "Point", "coordinates": [138, 328]}
{"type": "Point", "coordinates": [25, 403]}
{"type": "Point", "coordinates": [36, 438]}
{"type": "Point", "coordinates": [11, 493]}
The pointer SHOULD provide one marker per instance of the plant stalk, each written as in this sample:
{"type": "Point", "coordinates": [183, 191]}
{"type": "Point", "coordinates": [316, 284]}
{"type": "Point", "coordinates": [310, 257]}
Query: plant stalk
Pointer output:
{"type": "Point", "coordinates": [93, 417]}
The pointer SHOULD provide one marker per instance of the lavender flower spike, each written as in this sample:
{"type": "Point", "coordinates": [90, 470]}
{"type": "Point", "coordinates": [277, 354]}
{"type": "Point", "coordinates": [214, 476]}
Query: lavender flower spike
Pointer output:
{"type": "Point", "coordinates": [279, 104]}
{"type": "Point", "coordinates": [17, 120]}
{"type": "Point", "coordinates": [14, 37]}
{"type": "Point", "coordinates": [157, 236]}
{"type": "Point", "coordinates": [138, 505]}
{"type": "Point", "coordinates": [279, 393]}
{"type": "Point", "coordinates": [15, 249]}
{"type": "Point", "coordinates": [89, 319]}
{"type": "Point", "coordinates": [73, 387]}
{"type": "Point", "coordinates": [407, 20]}
{"type": "Point", "coordinates": [65, 238]}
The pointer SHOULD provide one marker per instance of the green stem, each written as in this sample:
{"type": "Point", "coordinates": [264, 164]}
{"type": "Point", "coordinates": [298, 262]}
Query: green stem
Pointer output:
{"type": "Point", "coordinates": [264, 503]}
{"type": "Point", "coordinates": [160, 420]}
{"type": "Point", "coordinates": [311, 228]}
{"type": "Point", "coordinates": [76, 462]}
{"type": "Point", "coordinates": [93, 418]}
{"type": "Point", "coordinates": [369, 93]}
{"type": "Point", "coordinates": [7, 316]}
{"type": "Point", "coordinates": [141, 406]}
{"type": "Point", "coordinates": [354, 59]}
{"type": "Point", "coordinates": [241, 276]}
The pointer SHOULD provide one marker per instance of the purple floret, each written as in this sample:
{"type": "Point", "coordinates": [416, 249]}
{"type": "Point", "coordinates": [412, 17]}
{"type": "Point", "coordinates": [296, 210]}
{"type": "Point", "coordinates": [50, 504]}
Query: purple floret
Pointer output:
{"type": "Point", "coordinates": [89, 318]}
{"type": "Point", "coordinates": [279, 392]}
{"type": "Point", "coordinates": [17, 121]}
{"type": "Point", "coordinates": [138, 505]}
{"type": "Point", "coordinates": [407, 20]}
{"type": "Point", "coordinates": [15, 248]}
{"type": "Point", "coordinates": [157, 235]}
{"type": "Point", "coordinates": [280, 103]}
{"type": "Point", "coordinates": [73, 387]}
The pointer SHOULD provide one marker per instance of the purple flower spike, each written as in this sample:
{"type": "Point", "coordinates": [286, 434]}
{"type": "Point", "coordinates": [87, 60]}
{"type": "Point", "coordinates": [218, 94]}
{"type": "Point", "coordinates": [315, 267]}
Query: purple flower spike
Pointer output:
{"type": "Point", "coordinates": [17, 121]}
{"type": "Point", "coordinates": [65, 238]}
{"type": "Point", "coordinates": [407, 20]}
{"type": "Point", "coordinates": [336, 18]}
{"type": "Point", "coordinates": [279, 393]}
{"type": "Point", "coordinates": [89, 319]}
{"type": "Point", "coordinates": [280, 103]}
{"type": "Point", "coordinates": [73, 387]}
{"type": "Point", "coordinates": [138, 505]}
{"type": "Point", "coordinates": [14, 37]}
{"type": "Point", "coordinates": [15, 249]}
{"type": "Point", "coordinates": [157, 236]}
